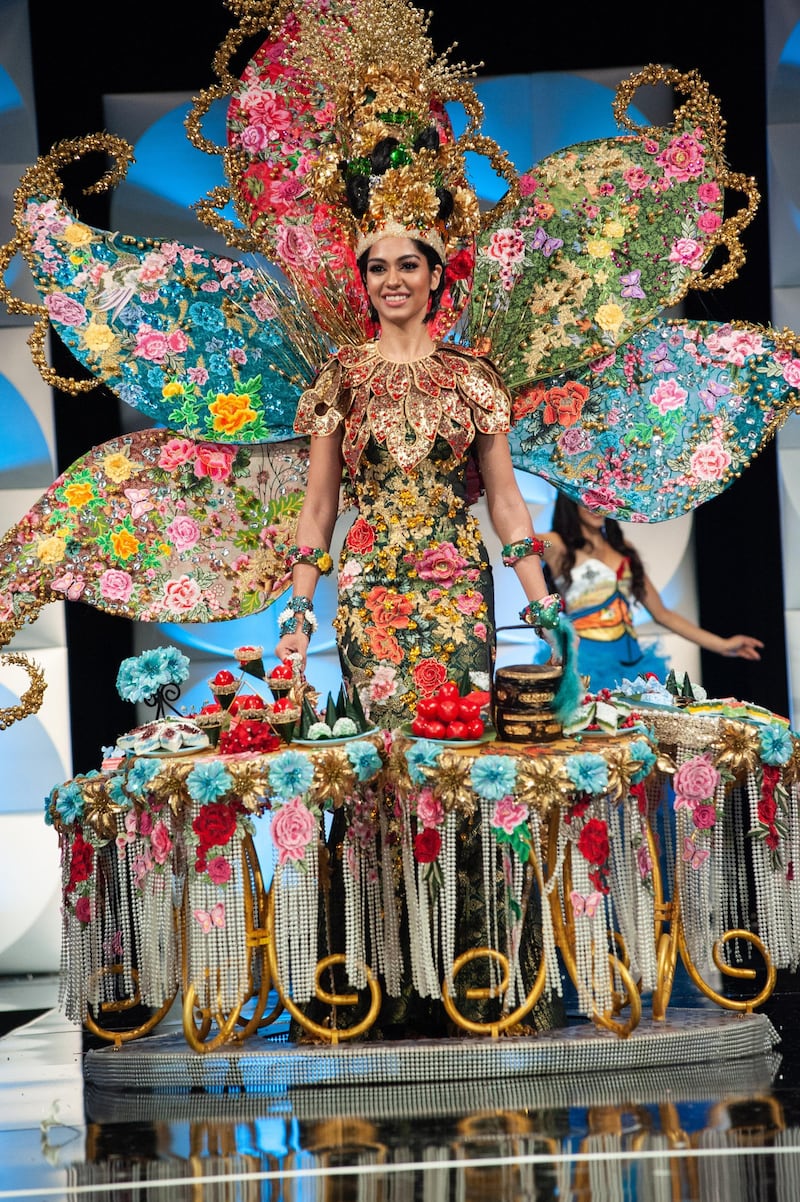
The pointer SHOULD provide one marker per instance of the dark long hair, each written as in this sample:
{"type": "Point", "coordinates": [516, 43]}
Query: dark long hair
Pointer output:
{"type": "Point", "coordinates": [433, 261]}
{"type": "Point", "coordinates": [567, 523]}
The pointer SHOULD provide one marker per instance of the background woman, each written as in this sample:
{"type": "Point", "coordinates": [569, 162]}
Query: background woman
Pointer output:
{"type": "Point", "coordinates": [600, 577]}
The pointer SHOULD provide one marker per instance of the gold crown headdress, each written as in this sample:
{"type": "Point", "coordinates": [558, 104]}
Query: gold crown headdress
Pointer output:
{"type": "Point", "coordinates": [391, 161]}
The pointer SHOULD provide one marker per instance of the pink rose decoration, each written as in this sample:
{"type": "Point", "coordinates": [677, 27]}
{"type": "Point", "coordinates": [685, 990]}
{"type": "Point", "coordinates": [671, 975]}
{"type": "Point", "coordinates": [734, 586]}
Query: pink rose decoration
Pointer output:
{"type": "Point", "coordinates": [509, 814]}
{"type": "Point", "coordinates": [116, 585]}
{"type": "Point", "coordinates": [695, 782]}
{"type": "Point", "coordinates": [175, 453]}
{"type": "Point", "coordinates": [430, 811]}
{"type": "Point", "coordinates": [293, 829]}
{"type": "Point", "coordinates": [213, 461]}
{"type": "Point", "coordinates": [442, 563]}
{"type": "Point", "coordinates": [667, 395]}
{"type": "Point", "coordinates": [184, 532]}
{"type": "Point", "coordinates": [709, 461]}
{"type": "Point", "coordinates": [160, 843]}
{"type": "Point", "coordinates": [219, 870]}
{"type": "Point", "coordinates": [181, 595]}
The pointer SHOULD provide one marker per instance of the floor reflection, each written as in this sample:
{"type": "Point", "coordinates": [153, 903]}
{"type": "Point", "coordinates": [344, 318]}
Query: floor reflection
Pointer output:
{"type": "Point", "coordinates": [726, 1130]}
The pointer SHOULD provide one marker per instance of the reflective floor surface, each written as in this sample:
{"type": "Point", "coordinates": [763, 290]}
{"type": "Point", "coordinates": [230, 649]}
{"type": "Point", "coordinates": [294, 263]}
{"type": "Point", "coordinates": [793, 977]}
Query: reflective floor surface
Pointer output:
{"type": "Point", "coordinates": [81, 1119]}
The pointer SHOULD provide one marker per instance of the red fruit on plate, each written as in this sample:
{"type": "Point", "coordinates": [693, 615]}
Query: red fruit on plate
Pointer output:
{"type": "Point", "coordinates": [419, 727]}
{"type": "Point", "coordinates": [475, 728]}
{"type": "Point", "coordinates": [449, 689]}
{"type": "Point", "coordinates": [223, 677]}
{"type": "Point", "coordinates": [435, 729]}
{"type": "Point", "coordinates": [447, 709]}
{"type": "Point", "coordinates": [427, 707]}
{"type": "Point", "coordinates": [467, 709]}
{"type": "Point", "coordinates": [479, 697]}
{"type": "Point", "coordinates": [456, 730]}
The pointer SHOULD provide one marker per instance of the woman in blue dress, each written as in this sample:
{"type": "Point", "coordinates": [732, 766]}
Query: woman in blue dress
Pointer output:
{"type": "Point", "coordinates": [600, 577]}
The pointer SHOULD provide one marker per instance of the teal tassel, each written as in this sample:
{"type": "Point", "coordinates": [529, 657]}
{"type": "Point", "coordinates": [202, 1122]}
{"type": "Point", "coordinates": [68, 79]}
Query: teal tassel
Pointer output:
{"type": "Point", "coordinates": [570, 692]}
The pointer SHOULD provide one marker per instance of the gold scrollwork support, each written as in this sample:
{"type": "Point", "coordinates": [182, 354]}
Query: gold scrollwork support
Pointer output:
{"type": "Point", "coordinates": [326, 1034]}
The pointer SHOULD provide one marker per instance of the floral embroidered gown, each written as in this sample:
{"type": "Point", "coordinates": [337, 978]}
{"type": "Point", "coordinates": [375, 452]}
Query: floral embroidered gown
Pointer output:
{"type": "Point", "coordinates": [416, 597]}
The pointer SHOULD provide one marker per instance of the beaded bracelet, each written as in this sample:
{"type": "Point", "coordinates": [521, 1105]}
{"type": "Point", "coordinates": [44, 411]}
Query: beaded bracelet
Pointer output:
{"type": "Point", "coordinates": [315, 557]}
{"type": "Point", "coordinates": [514, 552]}
{"type": "Point", "coordinates": [298, 607]}
{"type": "Point", "coordinates": [544, 613]}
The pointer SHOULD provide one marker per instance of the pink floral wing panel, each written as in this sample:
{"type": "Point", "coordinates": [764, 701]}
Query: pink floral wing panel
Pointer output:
{"type": "Point", "coordinates": [279, 117]}
{"type": "Point", "coordinates": [662, 424]}
{"type": "Point", "coordinates": [159, 528]}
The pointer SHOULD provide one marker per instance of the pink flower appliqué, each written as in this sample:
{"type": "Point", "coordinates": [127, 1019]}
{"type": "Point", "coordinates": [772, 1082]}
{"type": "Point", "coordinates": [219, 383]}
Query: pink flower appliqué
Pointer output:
{"type": "Point", "coordinates": [293, 829]}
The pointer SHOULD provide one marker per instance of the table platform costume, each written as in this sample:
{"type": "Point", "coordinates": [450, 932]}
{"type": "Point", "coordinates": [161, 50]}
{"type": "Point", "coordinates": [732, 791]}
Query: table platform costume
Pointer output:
{"type": "Point", "coordinates": [561, 285]}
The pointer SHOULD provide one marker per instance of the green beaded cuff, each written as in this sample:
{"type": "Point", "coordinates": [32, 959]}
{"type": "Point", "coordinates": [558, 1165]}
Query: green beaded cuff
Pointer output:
{"type": "Point", "coordinates": [315, 557]}
{"type": "Point", "coordinates": [544, 613]}
{"type": "Point", "coordinates": [513, 552]}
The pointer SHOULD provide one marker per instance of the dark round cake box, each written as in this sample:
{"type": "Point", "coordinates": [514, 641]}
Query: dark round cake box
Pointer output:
{"type": "Point", "coordinates": [522, 703]}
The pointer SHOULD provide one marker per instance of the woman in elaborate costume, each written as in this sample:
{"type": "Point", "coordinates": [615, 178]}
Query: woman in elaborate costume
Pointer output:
{"type": "Point", "coordinates": [600, 576]}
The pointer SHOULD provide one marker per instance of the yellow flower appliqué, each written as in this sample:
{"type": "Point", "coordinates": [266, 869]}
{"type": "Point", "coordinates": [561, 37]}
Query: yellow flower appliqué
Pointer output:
{"type": "Point", "coordinates": [231, 412]}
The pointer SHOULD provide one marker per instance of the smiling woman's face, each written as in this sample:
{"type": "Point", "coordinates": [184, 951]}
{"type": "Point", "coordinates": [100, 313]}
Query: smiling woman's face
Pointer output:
{"type": "Point", "coordinates": [399, 280]}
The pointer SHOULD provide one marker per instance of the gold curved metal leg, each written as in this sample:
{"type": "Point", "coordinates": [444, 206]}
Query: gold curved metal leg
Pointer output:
{"type": "Point", "coordinates": [120, 1037]}
{"type": "Point", "coordinates": [327, 1034]}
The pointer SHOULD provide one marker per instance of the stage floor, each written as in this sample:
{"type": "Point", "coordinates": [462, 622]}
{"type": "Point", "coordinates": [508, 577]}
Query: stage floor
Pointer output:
{"type": "Point", "coordinates": [714, 1118]}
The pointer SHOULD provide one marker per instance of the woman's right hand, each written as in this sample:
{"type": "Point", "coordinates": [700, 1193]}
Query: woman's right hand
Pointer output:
{"type": "Point", "coordinates": [295, 644]}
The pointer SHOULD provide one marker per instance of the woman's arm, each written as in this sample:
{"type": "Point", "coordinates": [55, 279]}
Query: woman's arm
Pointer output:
{"type": "Point", "coordinates": [741, 645]}
{"type": "Point", "coordinates": [315, 525]}
{"type": "Point", "coordinates": [508, 513]}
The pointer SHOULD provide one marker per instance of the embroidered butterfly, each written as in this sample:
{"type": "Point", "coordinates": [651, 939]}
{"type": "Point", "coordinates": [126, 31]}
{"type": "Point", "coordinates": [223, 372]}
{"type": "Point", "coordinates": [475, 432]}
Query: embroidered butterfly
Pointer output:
{"type": "Point", "coordinates": [70, 585]}
{"type": "Point", "coordinates": [140, 501]}
{"type": "Point", "coordinates": [709, 396]}
{"type": "Point", "coordinates": [585, 905]}
{"type": "Point", "coordinates": [630, 284]}
{"type": "Point", "coordinates": [215, 917]}
{"type": "Point", "coordinates": [660, 358]}
{"type": "Point", "coordinates": [693, 855]}
{"type": "Point", "coordinates": [545, 244]}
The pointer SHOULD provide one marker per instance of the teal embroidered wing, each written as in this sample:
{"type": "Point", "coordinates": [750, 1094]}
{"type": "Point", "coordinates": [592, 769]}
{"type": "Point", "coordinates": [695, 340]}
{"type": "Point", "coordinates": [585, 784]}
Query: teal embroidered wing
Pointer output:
{"type": "Point", "coordinates": [212, 346]}
{"type": "Point", "coordinates": [663, 423]}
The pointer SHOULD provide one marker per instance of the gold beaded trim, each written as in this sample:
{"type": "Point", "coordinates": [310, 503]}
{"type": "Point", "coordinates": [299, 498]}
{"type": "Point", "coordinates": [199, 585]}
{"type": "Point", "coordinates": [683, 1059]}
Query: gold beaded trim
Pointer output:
{"type": "Point", "coordinates": [701, 108]}
{"type": "Point", "coordinates": [29, 702]}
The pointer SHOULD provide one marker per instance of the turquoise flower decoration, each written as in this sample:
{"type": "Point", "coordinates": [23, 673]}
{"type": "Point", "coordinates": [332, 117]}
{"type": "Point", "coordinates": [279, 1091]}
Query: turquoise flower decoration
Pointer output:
{"type": "Point", "coordinates": [364, 758]}
{"type": "Point", "coordinates": [49, 803]}
{"type": "Point", "coordinates": [141, 676]}
{"type": "Point", "coordinates": [69, 802]}
{"type": "Point", "coordinates": [290, 775]}
{"type": "Point", "coordinates": [115, 787]}
{"type": "Point", "coordinates": [493, 776]}
{"type": "Point", "coordinates": [208, 782]}
{"type": "Point", "coordinates": [141, 773]}
{"type": "Point", "coordinates": [588, 772]}
{"type": "Point", "coordinates": [643, 753]}
{"type": "Point", "coordinates": [421, 755]}
{"type": "Point", "coordinates": [776, 744]}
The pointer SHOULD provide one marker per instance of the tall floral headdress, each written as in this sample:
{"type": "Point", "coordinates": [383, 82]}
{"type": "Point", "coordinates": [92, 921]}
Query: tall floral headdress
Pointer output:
{"type": "Point", "coordinates": [338, 134]}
